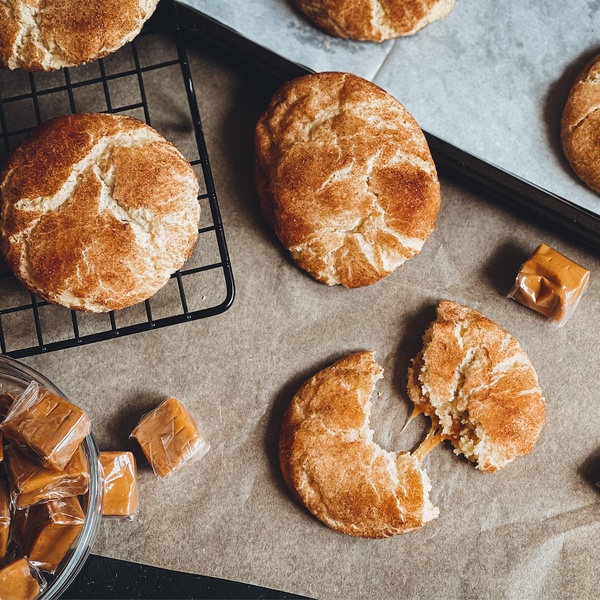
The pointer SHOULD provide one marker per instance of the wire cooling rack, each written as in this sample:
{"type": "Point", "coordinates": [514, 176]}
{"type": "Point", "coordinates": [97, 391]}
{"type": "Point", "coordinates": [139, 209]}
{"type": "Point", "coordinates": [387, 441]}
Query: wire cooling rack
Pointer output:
{"type": "Point", "coordinates": [148, 79]}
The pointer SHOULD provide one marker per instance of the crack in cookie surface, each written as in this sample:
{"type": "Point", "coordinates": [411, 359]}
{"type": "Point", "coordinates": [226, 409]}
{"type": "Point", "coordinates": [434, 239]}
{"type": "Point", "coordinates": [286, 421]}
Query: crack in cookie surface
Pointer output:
{"type": "Point", "coordinates": [345, 178]}
{"type": "Point", "coordinates": [106, 230]}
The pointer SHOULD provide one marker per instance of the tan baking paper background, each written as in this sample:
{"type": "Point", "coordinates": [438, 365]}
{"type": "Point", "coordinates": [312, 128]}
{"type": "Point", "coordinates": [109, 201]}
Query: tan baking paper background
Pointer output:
{"type": "Point", "coordinates": [530, 531]}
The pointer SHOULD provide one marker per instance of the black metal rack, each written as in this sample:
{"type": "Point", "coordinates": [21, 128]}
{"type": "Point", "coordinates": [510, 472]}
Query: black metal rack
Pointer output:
{"type": "Point", "coordinates": [120, 83]}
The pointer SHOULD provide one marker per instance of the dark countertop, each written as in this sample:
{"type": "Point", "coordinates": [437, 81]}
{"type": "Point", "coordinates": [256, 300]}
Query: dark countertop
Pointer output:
{"type": "Point", "coordinates": [106, 578]}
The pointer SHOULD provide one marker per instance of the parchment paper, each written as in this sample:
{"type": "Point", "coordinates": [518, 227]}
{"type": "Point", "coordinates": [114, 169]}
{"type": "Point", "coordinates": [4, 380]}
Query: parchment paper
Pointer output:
{"type": "Point", "coordinates": [492, 78]}
{"type": "Point", "coordinates": [530, 531]}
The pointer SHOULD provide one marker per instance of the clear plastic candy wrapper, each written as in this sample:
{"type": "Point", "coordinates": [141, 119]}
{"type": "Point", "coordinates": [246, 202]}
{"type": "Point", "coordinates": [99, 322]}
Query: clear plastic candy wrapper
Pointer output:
{"type": "Point", "coordinates": [170, 437]}
{"type": "Point", "coordinates": [7, 398]}
{"type": "Point", "coordinates": [4, 521]}
{"type": "Point", "coordinates": [119, 479]}
{"type": "Point", "coordinates": [31, 483]}
{"type": "Point", "coordinates": [20, 580]}
{"type": "Point", "coordinates": [45, 532]}
{"type": "Point", "coordinates": [46, 425]}
{"type": "Point", "coordinates": [550, 284]}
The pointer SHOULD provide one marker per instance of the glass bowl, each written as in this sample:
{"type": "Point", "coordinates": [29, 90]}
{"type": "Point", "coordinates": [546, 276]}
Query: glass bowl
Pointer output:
{"type": "Point", "coordinates": [18, 375]}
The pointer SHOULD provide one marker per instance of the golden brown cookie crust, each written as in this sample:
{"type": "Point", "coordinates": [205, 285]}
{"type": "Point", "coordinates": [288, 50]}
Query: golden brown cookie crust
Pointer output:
{"type": "Point", "coordinates": [476, 382]}
{"type": "Point", "coordinates": [97, 211]}
{"type": "Point", "coordinates": [330, 462]}
{"type": "Point", "coordinates": [44, 35]}
{"type": "Point", "coordinates": [580, 125]}
{"type": "Point", "coordinates": [374, 20]}
{"type": "Point", "coordinates": [345, 178]}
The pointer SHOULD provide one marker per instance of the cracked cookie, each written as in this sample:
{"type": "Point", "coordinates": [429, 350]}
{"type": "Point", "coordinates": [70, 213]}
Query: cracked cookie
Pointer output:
{"type": "Point", "coordinates": [97, 211]}
{"type": "Point", "coordinates": [478, 386]}
{"type": "Point", "coordinates": [45, 35]}
{"type": "Point", "coordinates": [345, 178]}
{"type": "Point", "coordinates": [580, 125]}
{"type": "Point", "coordinates": [329, 459]}
{"type": "Point", "coordinates": [374, 20]}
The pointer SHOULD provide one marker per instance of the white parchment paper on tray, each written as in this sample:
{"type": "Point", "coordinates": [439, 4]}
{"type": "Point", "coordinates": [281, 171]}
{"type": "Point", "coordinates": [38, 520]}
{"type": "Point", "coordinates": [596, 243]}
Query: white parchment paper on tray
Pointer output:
{"type": "Point", "coordinates": [529, 531]}
{"type": "Point", "coordinates": [492, 78]}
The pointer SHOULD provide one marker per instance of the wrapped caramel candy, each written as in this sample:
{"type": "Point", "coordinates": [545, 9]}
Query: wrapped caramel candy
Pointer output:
{"type": "Point", "coordinates": [169, 437]}
{"type": "Point", "coordinates": [4, 520]}
{"type": "Point", "coordinates": [119, 484]}
{"type": "Point", "coordinates": [45, 532]}
{"type": "Point", "coordinates": [31, 483]}
{"type": "Point", "coordinates": [550, 284]}
{"type": "Point", "coordinates": [46, 425]}
{"type": "Point", "coordinates": [19, 581]}
{"type": "Point", "coordinates": [6, 401]}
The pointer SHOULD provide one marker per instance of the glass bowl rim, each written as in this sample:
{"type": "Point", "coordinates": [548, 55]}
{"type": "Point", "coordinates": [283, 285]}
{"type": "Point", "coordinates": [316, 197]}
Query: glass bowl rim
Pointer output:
{"type": "Point", "coordinates": [93, 514]}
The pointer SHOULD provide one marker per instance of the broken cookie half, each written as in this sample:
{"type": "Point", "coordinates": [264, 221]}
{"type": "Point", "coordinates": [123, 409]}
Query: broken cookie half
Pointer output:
{"type": "Point", "coordinates": [331, 463]}
{"type": "Point", "coordinates": [478, 386]}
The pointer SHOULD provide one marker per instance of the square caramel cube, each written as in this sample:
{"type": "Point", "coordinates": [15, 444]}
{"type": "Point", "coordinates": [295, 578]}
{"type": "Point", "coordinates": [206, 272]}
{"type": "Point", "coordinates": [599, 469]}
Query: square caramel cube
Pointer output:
{"type": "Point", "coordinates": [46, 426]}
{"type": "Point", "coordinates": [4, 520]}
{"type": "Point", "coordinates": [169, 437]}
{"type": "Point", "coordinates": [16, 581]}
{"type": "Point", "coordinates": [45, 532]}
{"type": "Point", "coordinates": [31, 483]}
{"type": "Point", "coordinates": [120, 484]}
{"type": "Point", "coordinates": [551, 284]}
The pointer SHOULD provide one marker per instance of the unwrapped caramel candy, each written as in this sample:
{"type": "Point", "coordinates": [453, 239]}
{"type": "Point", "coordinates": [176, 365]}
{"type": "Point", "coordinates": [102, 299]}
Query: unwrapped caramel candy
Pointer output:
{"type": "Point", "coordinates": [45, 532]}
{"type": "Point", "coordinates": [17, 582]}
{"type": "Point", "coordinates": [169, 437]}
{"type": "Point", "coordinates": [550, 284]}
{"type": "Point", "coordinates": [46, 425]}
{"type": "Point", "coordinates": [31, 483]}
{"type": "Point", "coordinates": [119, 483]}
{"type": "Point", "coordinates": [4, 521]}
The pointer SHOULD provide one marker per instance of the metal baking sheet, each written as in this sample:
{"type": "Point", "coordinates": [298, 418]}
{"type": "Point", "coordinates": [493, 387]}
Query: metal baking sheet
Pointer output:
{"type": "Point", "coordinates": [488, 83]}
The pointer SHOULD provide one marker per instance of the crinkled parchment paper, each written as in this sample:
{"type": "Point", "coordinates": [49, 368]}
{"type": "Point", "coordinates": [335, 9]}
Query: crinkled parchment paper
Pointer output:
{"type": "Point", "coordinates": [529, 531]}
